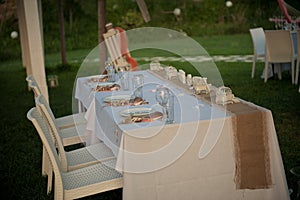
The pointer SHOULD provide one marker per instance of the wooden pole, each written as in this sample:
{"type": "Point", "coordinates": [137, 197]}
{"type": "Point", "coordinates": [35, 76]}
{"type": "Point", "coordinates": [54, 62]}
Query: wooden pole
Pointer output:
{"type": "Point", "coordinates": [33, 38]}
{"type": "Point", "coordinates": [101, 30]}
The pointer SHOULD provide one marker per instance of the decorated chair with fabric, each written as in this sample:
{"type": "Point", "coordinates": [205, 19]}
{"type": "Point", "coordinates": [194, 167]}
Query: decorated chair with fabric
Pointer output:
{"type": "Point", "coordinates": [116, 42]}
{"type": "Point", "coordinates": [279, 49]}
{"type": "Point", "coordinates": [259, 43]}
{"type": "Point", "coordinates": [80, 182]}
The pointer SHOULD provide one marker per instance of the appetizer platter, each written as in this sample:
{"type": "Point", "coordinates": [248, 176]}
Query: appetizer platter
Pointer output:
{"type": "Point", "coordinates": [124, 100]}
{"type": "Point", "coordinates": [136, 115]}
{"type": "Point", "coordinates": [106, 87]}
{"type": "Point", "coordinates": [100, 79]}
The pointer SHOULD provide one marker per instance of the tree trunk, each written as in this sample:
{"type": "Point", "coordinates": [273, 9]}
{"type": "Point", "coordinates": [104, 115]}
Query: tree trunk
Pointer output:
{"type": "Point", "coordinates": [62, 32]}
{"type": "Point", "coordinates": [71, 20]}
{"type": "Point", "coordinates": [101, 30]}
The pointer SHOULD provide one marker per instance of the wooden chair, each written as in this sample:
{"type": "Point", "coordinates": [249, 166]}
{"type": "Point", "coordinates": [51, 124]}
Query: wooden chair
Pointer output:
{"type": "Point", "coordinates": [62, 122]}
{"type": "Point", "coordinates": [259, 44]}
{"type": "Point", "coordinates": [116, 42]}
{"type": "Point", "coordinates": [81, 182]}
{"type": "Point", "coordinates": [279, 49]}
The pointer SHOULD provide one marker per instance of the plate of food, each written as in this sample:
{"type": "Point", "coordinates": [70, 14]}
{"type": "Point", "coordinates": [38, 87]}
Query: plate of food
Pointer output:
{"type": "Point", "coordinates": [137, 112]}
{"type": "Point", "coordinates": [136, 115]}
{"type": "Point", "coordinates": [106, 87]}
{"type": "Point", "coordinates": [100, 78]}
{"type": "Point", "coordinates": [117, 98]}
{"type": "Point", "coordinates": [124, 100]}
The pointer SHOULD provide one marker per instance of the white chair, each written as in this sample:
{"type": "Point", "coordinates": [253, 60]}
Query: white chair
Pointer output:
{"type": "Point", "coordinates": [259, 44]}
{"type": "Point", "coordinates": [279, 49]}
{"type": "Point", "coordinates": [62, 122]}
{"type": "Point", "coordinates": [67, 125]}
{"type": "Point", "coordinates": [113, 44]}
{"type": "Point", "coordinates": [69, 136]}
{"type": "Point", "coordinates": [116, 42]}
{"type": "Point", "coordinates": [78, 158]}
{"type": "Point", "coordinates": [298, 57]}
{"type": "Point", "coordinates": [81, 182]}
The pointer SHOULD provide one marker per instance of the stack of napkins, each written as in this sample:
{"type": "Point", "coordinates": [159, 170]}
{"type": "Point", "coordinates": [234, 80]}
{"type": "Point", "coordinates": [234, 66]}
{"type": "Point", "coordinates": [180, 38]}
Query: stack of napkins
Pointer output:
{"type": "Point", "coordinates": [200, 85]}
{"type": "Point", "coordinates": [171, 72]}
{"type": "Point", "coordinates": [224, 96]}
{"type": "Point", "coordinates": [181, 76]}
{"type": "Point", "coordinates": [155, 65]}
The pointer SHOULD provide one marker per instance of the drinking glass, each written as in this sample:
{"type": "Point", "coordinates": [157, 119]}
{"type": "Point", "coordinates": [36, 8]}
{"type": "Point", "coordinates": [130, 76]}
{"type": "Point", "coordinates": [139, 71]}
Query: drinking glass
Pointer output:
{"type": "Point", "coordinates": [170, 109]}
{"type": "Point", "coordinates": [124, 79]}
{"type": "Point", "coordinates": [137, 84]}
{"type": "Point", "coordinates": [110, 71]}
{"type": "Point", "coordinates": [162, 97]}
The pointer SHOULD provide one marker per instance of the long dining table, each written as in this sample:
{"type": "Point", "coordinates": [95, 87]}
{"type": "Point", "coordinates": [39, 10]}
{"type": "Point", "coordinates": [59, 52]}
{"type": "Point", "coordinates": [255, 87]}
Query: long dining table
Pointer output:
{"type": "Point", "coordinates": [210, 151]}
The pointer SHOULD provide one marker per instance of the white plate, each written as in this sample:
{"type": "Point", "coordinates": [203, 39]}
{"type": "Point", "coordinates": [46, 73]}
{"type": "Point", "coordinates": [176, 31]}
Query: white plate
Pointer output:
{"type": "Point", "coordinates": [117, 98]}
{"type": "Point", "coordinates": [137, 112]}
{"type": "Point", "coordinates": [103, 84]}
{"type": "Point", "coordinates": [95, 78]}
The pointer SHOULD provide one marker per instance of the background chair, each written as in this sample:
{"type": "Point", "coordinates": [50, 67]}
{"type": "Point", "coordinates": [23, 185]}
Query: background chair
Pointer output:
{"type": "Point", "coordinates": [259, 43]}
{"type": "Point", "coordinates": [116, 42]}
{"type": "Point", "coordinates": [279, 49]}
{"type": "Point", "coordinates": [81, 182]}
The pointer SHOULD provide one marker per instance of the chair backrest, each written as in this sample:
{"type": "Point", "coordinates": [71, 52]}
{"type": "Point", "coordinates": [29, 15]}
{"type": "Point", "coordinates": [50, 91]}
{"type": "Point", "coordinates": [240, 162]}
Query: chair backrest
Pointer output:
{"type": "Point", "coordinates": [46, 112]}
{"type": "Point", "coordinates": [30, 78]}
{"type": "Point", "coordinates": [112, 40]}
{"type": "Point", "coordinates": [258, 40]}
{"type": "Point", "coordinates": [279, 46]}
{"type": "Point", "coordinates": [33, 85]}
{"type": "Point", "coordinates": [35, 88]}
{"type": "Point", "coordinates": [42, 128]}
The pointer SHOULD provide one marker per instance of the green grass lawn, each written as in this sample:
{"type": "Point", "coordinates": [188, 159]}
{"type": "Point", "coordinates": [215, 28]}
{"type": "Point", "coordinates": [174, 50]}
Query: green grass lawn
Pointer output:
{"type": "Point", "coordinates": [21, 147]}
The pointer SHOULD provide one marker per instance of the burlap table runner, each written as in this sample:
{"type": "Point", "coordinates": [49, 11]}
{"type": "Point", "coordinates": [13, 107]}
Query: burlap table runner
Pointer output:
{"type": "Point", "coordinates": [250, 139]}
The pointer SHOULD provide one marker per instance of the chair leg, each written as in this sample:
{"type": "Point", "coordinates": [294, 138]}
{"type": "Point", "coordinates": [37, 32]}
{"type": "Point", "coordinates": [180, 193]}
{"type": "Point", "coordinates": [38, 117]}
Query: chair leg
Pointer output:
{"type": "Point", "coordinates": [49, 184]}
{"type": "Point", "coordinates": [266, 71]}
{"type": "Point", "coordinates": [47, 170]}
{"type": "Point", "coordinates": [297, 72]}
{"type": "Point", "coordinates": [279, 71]}
{"type": "Point", "coordinates": [253, 66]}
{"type": "Point", "coordinates": [45, 162]}
{"type": "Point", "coordinates": [50, 175]}
{"type": "Point", "coordinates": [293, 72]}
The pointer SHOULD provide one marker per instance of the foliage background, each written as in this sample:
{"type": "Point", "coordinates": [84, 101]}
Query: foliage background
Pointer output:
{"type": "Point", "coordinates": [198, 18]}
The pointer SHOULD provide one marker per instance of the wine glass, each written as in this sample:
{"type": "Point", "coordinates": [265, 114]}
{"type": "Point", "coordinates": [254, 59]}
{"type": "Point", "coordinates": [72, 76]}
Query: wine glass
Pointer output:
{"type": "Point", "coordinates": [162, 97]}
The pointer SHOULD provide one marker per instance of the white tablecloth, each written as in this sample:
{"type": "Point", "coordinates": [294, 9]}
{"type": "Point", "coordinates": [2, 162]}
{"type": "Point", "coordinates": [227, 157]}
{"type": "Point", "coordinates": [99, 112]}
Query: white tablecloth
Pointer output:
{"type": "Point", "coordinates": [164, 162]}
